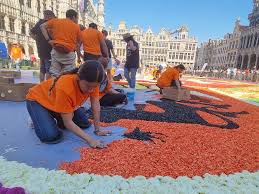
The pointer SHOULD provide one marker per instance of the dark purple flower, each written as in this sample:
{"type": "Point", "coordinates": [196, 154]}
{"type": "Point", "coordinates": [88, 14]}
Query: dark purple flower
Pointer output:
{"type": "Point", "coordinates": [3, 190]}
{"type": "Point", "coordinates": [16, 190]}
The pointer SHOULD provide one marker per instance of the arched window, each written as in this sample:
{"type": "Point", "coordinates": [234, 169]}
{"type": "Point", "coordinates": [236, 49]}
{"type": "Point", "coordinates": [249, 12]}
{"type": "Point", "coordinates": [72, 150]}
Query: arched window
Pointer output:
{"type": "Point", "coordinates": [255, 40]}
{"type": "Point", "coordinates": [241, 43]}
{"type": "Point", "coordinates": [247, 42]}
{"type": "Point", "coordinates": [251, 41]}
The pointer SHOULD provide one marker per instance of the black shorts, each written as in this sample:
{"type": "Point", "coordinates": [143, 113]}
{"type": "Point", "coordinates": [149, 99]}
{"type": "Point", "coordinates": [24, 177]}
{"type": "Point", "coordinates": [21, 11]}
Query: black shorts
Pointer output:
{"type": "Point", "coordinates": [112, 99]}
{"type": "Point", "coordinates": [88, 57]}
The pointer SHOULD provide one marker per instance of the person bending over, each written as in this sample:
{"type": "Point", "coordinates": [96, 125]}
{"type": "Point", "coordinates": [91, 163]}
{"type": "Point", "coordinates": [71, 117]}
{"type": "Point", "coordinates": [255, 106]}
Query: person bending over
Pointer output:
{"type": "Point", "coordinates": [64, 96]}
{"type": "Point", "coordinates": [171, 77]}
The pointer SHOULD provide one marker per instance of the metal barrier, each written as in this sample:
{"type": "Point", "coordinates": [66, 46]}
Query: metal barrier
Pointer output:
{"type": "Point", "coordinates": [241, 75]}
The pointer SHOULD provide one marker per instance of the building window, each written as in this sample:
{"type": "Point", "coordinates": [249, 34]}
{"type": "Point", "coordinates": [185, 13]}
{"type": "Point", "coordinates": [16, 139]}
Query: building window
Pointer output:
{"type": "Point", "coordinates": [181, 56]}
{"type": "Point", "coordinates": [31, 26]}
{"type": "Point", "coordinates": [11, 20]}
{"type": "Point", "coordinates": [21, 2]}
{"type": "Point", "coordinates": [2, 23]}
{"type": "Point", "coordinates": [29, 3]}
{"type": "Point", "coordinates": [23, 31]}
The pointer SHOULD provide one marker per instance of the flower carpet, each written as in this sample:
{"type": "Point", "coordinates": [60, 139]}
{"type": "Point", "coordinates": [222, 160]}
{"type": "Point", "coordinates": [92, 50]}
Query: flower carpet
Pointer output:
{"type": "Point", "coordinates": [209, 144]}
{"type": "Point", "coordinates": [246, 91]}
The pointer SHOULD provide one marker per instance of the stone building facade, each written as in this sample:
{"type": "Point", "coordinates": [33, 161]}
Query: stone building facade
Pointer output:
{"type": "Point", "coordinates": [220, 53]}
{"type": "Point", "coordinates": [248, 55]}
{"type": "Point", "coordinates": [17, 17]}
{"type": "Point", "coordinates": [162, 48]}
{"type": "Point", "coordinates": [238, 49]}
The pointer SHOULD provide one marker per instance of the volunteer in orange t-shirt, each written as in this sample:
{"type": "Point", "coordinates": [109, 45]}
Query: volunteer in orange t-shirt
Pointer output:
{"type": "Point", "coordinates": [171, 77]}
{"type": "Point", "coordinates": [62, 98]}
{"type": "Point", "coordinates": [109, 96]}
{"type": "Point", "coordinates": [16, 52]}
{"type": "Point", "coordinates": [65, 36]}
{"type": "Point", "coordinates": [94, 44]}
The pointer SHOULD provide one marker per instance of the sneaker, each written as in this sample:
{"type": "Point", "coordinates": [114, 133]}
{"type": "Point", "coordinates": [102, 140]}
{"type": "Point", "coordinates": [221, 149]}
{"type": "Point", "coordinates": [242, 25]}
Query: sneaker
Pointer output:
{"type": "Point", "coordinates": [125, 101]}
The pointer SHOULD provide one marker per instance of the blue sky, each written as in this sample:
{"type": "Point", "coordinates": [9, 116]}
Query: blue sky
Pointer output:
{"type": "Point", "coordinates": [205, 18]}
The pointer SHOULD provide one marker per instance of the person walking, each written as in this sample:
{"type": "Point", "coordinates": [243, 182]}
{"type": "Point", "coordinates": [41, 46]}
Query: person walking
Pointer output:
{"type": "Point", "coordinates": [44, 48]}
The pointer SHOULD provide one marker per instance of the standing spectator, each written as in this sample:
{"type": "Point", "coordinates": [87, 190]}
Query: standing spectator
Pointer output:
{"type": "Point", "coordinates": [17, 55]}
{"type": "Point", "coordinates": [44, 48]}
{"type": "Point", "coordinates": [132, 60]}
{"type": "Point", "coordinates": [94, 44]}
{"type": "Point", "coordinates": [247, 74]}
{"type": "Point", "coordinates": [257, 75]}
{"type": "Point", "coordinates": [253, 74]}
{"type": "Point", "coordinates": [65, 34]}
{"type": "Point", "coordinates": [110, 51]}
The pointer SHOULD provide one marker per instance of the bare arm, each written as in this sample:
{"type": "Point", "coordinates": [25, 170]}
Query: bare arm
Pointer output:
{"type": "Point", "coordinates": [78, 52]}
{"type": "Point", "coordinates": [113, 54]}
{"type": "Point", "coordinates": [178, 84]}
{"type": "Point", "coordinates": [95, 104]}
{"type": "Point", "coordinates": [70, 125]}
{"type": "Point", "coordinates": [43, 28]}
{"type": "Point", "coordinates": [132, 46]}
{"type": "Point", "coordinates": [104, 49]}
{"type": "Point", "coordinates": [112, 91]}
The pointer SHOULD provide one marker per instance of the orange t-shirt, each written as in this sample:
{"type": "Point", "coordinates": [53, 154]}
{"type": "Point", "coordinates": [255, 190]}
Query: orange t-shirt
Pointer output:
{"type": "Point", "coordinates": [91, 39]}
{"type": "Point", "coordinates": [167, 77]}
{"type": "Point", "coordinates": [107, 89]}
{"type": "Point", "coordinates": [64, 32]}
{"type": "Point", "coordinates": [16, 53]}
{"type": "Point", "coordinates": [65, 97]}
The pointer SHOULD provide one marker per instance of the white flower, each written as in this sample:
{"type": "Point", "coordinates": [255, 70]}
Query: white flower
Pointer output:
{"type": "Point", "coordinates": [43, 181]}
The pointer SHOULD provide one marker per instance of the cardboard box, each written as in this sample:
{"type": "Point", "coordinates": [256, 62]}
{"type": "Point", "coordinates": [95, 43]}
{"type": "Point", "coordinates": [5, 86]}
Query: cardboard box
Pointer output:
{"type": "Point", "coordinates": [14, 92]}
{"type": "Point", "coordinates": [11, 73]}
{"type": "Point", "coordinates": [7, 80]}
{"type": "Point", "coordinates": [173, 94]}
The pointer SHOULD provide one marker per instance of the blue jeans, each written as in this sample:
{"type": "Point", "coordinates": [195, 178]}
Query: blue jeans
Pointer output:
{"type": "Point", "coordinates": [45, 65]}
{"type": "Point", "coordinates": [130, 75]}
{"type": "Point", "coordinates": [45, 124]}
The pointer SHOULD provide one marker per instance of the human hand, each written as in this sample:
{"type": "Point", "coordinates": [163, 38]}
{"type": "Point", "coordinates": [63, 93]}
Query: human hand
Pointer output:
{"type": "Point", "coordinates": [117, 61]}
{"type": "Point", "coordinates": [97, 144]}
{"type": "Point", "coordinates": [101, 132]}
{"type": "Point", "coordinates": [104, 61]}
{"type": "Point", "coordinates": [51, 42]}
